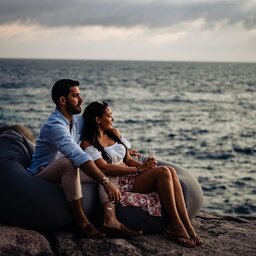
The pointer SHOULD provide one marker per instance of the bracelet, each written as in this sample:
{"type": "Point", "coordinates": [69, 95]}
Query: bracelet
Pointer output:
{"type": "Point", "coordinates": [104, 180]}
{"type": "Point", "coordinates": [138, 171]}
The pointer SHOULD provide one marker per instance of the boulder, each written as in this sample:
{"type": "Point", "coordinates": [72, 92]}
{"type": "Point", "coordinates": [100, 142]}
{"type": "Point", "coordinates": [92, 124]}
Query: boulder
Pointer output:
{"type": "Point", "coordinates": [222, 235]}
{"type": "Point", "coordinates": [19, 241]}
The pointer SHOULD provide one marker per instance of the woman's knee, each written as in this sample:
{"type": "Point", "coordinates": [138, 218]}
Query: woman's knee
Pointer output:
{"type": "Point", "coordinates": [173, 172]}
{"type": "Point", "coordinates": [163, 171]}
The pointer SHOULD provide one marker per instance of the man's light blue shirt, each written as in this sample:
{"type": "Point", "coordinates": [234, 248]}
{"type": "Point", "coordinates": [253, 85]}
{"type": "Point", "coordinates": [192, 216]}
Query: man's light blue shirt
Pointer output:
{"type": "Point", "coordinates": [56, 140]}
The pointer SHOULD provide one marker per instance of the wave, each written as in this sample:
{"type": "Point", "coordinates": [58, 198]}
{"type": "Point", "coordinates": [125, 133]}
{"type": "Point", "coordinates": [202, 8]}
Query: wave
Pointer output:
{"type": "Point", "coordinates": [212, 156]}
{"type": "Point", "coordinates": [245, 150]}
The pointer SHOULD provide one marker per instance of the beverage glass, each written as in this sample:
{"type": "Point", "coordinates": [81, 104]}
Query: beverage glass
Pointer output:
{"type": "Point", "coordinates": [152, 153]}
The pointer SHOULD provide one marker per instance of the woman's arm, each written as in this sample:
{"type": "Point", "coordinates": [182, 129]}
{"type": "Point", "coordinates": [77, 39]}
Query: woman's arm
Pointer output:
{"type": "Point", "coordinates": [114, 169]}
{"type": "Point", "coordinates": [105, 167]}
{"type": "Point", "coordinates": [148, 164]}
{"type": "Point", "coordinates": [129, 161]}
{"type": "Point", "coordinates": [131, 166]}
{"type": "Point", "coordinates": [134, 167]}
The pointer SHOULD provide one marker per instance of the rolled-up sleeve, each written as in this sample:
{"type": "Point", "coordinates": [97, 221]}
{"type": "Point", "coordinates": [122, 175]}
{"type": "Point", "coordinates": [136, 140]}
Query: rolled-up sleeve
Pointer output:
{"type": "Point", "coordinates": [59, 135]}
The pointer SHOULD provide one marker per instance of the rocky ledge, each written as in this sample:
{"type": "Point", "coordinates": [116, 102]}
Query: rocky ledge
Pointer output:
{"type": "Point", "coordinates": [222, 235]}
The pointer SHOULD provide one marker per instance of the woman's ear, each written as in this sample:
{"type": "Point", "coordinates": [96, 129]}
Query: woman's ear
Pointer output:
{"type": "Point", "coordinates": [97, 119]}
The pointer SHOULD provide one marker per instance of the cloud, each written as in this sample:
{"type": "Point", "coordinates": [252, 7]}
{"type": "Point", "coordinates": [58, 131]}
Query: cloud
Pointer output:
{"type": "Point", "coordinates": [128, 13]}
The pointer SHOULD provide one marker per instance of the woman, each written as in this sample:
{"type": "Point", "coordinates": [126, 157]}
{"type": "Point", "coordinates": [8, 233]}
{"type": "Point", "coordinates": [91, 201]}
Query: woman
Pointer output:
{"type": "Point", "coordinates": [104, 145]}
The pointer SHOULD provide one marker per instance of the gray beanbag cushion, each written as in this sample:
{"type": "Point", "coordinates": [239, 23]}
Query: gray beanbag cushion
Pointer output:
{"type": "Point", "coordinates": [27, 200]}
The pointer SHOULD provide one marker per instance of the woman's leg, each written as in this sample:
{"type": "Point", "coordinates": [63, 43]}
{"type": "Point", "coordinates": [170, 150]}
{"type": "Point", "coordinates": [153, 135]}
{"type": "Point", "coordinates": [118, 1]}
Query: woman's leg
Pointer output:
{"type": "Point", "coordinates": [192, 190]}
{"type": "Point", "coordinates": [109, 209]}
{"type": "Point", "coordinates": [110, 222]}
{"type": "Point", "coordinates": [110, 219]}
{"type": "Point", "coordinates": [160, 179]}
{"type": "Point", "coordinates": [180, 202]}
{"type": "Point", "coordinates": [181, 207]}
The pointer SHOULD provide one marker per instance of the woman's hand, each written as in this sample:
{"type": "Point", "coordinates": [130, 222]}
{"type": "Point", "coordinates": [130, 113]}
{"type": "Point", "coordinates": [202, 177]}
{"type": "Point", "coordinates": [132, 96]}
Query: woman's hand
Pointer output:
{"type": "Point", "coordinates": [134, 152]}
{"type": "Point", "coordinates": [148, 164]}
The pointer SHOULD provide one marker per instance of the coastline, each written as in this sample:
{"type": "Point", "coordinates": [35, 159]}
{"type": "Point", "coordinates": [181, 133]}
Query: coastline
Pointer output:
{"type": "Point", "coordinates": [222, 235]}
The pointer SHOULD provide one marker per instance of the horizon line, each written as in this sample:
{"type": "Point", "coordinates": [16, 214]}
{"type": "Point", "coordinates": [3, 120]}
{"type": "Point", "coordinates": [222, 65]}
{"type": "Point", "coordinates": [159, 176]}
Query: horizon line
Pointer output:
{"type": "Point", "coordinates": [128, 60]}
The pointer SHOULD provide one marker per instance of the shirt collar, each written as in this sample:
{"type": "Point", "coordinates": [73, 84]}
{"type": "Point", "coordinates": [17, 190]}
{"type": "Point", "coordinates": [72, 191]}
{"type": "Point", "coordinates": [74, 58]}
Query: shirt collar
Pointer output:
{"type": "Point", "coordinates": [61, 116]}
{"type": "Point", "coordinates": [64, 118]}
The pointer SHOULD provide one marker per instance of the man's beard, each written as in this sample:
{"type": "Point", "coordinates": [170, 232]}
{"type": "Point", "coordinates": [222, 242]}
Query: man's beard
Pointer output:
{"type": "Point", "coordinates": [72, 109]}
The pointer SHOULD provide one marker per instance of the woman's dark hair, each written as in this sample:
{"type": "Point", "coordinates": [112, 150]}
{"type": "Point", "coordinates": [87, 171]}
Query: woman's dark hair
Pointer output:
{"type": "Point", "coordinates": [94, 109]}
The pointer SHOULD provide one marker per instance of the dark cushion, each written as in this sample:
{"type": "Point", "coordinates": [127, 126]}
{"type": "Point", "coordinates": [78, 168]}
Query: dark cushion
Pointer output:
{"type": "Point", "coordinates": [34, 203]}
{"type": "Point", "coordinates": [27, 200]}
{"type": "Point", "coordinates": [15, 146]}
{"type": "Point", "coordinates": [137, 219]}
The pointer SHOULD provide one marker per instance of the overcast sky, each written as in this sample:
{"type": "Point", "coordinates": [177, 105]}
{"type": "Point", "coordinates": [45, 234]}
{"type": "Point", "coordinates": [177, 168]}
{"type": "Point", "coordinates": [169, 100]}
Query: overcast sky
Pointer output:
{"type": "Point", "coordinates": [172, 30]}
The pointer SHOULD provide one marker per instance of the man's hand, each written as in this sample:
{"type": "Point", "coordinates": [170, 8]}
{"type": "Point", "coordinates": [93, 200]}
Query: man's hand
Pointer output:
{"type": "Point", "coordinates": [112, 192]}
{"type": "Point", "coordinates": [90, 169]}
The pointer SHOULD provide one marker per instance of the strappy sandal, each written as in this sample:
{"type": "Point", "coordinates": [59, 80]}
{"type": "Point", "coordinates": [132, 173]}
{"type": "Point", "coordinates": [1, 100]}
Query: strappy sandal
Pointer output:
{"type": "Point", "coordinates": [181, 240]}
{"type": "Point", "coordinates": [89, 231]}
{"type": "Point", "coordinates": [123, 232]}
{"type": "Point", "coordinates": [197, 240]}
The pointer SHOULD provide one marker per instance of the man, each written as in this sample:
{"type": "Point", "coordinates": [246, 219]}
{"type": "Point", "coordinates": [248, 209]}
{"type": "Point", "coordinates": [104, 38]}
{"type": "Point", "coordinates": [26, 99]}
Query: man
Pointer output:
{"type": "Point", "coordinates": [59, 136]}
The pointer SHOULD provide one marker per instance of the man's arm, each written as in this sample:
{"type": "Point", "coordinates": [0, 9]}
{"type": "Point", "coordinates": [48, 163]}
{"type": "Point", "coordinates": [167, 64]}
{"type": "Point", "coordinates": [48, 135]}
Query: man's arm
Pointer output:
{"type": "Point", "coordinates": [90, 169]}
{"type": "Point", "coordinates": [63, 141]}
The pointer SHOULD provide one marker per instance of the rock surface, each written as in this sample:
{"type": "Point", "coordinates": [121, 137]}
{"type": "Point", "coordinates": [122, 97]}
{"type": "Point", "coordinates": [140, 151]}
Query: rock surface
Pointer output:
{"type": "Point", "coordinates": [222, 235]}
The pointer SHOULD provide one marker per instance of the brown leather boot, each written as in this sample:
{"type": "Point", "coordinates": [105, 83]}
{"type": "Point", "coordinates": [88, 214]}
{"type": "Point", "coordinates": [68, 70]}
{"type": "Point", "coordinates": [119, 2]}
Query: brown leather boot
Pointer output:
{"type": "Point", "coordinates": [83, 228]}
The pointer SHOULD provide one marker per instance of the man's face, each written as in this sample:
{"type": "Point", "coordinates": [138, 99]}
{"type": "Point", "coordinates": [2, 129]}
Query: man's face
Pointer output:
{"type": "Point", "coordinates": [74, 101]}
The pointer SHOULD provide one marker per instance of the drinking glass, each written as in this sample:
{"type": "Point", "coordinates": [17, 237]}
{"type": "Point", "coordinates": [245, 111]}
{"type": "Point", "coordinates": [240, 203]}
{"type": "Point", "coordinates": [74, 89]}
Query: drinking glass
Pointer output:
{"type": "Point", "coordinates": [152, 153]}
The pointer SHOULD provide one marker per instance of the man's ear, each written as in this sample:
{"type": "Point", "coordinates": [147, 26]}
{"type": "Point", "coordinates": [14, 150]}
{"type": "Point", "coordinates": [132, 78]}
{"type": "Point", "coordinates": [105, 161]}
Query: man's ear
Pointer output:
{"type": "Point", "coordinates": [62, 100]}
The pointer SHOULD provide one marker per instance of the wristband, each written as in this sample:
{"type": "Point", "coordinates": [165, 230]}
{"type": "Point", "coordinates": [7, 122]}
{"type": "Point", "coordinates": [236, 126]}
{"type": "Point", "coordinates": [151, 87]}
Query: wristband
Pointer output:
{"type": "Point", "coordinates": [138, 171]}
{"type": "Point", "coordinates": [104, 180]}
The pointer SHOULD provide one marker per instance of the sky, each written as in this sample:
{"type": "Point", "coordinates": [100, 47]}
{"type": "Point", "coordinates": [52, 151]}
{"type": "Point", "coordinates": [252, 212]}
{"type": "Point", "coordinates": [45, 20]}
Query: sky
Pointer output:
{"type": "Point", "coordinates": [165, 30]}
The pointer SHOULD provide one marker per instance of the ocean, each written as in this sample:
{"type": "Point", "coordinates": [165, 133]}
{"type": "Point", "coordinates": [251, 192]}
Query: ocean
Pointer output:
{"type": "Point", "coordinates": [201, 116]}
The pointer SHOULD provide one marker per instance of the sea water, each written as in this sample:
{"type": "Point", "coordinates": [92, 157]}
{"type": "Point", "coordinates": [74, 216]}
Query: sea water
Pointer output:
{"type": "Point", "coordinates": [201, 116]}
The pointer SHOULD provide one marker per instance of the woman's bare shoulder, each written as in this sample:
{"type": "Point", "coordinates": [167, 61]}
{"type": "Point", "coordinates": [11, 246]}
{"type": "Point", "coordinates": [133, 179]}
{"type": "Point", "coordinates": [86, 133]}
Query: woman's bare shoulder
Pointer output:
{"type": "Point", "coordinates": [116, 132]}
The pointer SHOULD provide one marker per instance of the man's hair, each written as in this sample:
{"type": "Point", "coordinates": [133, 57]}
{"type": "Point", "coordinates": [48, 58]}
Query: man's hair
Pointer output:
{"type": "Point", "coordinates": [62, 88]}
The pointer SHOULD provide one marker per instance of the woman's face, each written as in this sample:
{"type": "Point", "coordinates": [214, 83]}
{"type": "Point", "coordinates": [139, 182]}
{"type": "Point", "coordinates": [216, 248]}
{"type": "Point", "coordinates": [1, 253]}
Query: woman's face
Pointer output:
{"type": "Point", "coordinates": [106, 121]}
